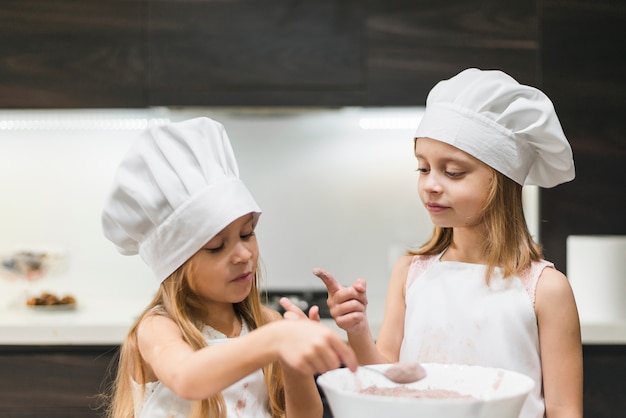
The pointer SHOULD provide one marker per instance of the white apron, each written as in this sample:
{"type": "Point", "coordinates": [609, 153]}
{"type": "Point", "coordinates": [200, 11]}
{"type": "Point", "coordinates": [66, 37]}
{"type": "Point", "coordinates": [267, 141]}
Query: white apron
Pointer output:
{"type": "Point", "coordinates": [247, 398]}
{"type": "Point", "coordinates": [452, 316]}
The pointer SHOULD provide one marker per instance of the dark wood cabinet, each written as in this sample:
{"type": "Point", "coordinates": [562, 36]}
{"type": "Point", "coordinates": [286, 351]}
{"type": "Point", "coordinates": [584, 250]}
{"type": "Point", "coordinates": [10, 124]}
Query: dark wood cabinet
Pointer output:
{"type": "Point", "coordinates": [583, 66]}
{"type": "Point", "coordinates": [249, 52]}
{"type": "Point", "coordinates": [66, 381]}
{"type": "Point", "coordinates": [54, 382]}
{"type": "Point", "coordinates": [604, 389]}
{"type": "Point", "coordinates": [138, 53]}
{"type": "Point", "coordinates": [72, 54]}
{"type": "Point", "coordinates": [411, 45]}
{"type": "Point", "coordinates": [330, 52]}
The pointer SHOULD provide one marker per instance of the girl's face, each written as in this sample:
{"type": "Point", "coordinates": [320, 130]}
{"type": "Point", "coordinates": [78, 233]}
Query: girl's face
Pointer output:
{"type": "Point", "coordinates": [225, 267]}
{"type": "Point", "coordinates": [453, 185]}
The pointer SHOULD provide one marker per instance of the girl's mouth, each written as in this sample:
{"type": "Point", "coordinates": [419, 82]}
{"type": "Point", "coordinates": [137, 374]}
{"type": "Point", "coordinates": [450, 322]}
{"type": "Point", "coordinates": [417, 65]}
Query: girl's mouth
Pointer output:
{"type": "Point", "coordinates": [246, 277]}
{"type": "Point", "coordinates": [435, 208]}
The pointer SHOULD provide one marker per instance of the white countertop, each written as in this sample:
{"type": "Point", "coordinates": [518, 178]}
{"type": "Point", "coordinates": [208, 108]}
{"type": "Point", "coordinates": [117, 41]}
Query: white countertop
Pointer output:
{"type": "Point", "coordinates": [90, 323]}
{"type": "Point", "coordinates": [99, 323]}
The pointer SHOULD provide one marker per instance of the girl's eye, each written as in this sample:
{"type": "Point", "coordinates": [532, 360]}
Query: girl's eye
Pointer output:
{"type": "Point", "coordinates": [215, 249]}
{"type": "Point", "coordinates": [453, 174]}
{"type": "Point", "coordinates": [247, 236]}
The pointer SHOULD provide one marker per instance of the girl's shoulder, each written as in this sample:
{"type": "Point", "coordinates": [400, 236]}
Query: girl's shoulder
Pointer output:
{"type": "Point", "coordinates": [536, 268]}
{"type": "Point", "coordinates": [270, 315]}
{"type": "Point", "coordinates": [154, 322]}
{"type": "Point", "coordinates": [554, 295]}
{"type": "Point", "coordinates": [552, 280]}
{"type": "Point", "coordinates": [530, 276]}
{"type": "Point", "coordinates": [416, 266]}
{"type": "Point", "coordinates": [419, 263]}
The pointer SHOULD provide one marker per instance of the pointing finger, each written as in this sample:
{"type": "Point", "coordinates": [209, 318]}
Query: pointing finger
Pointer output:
{"type": "Point", "coordinates": [347, 356]}
{"type": "Point", "coordinates": [292, 311]}
{"type": "Point", "coordinates": [331, 284]}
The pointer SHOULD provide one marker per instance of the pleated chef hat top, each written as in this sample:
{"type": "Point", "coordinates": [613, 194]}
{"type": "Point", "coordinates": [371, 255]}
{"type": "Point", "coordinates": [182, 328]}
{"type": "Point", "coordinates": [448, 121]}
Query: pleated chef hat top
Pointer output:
{"type": "Point", "coordinates": [511, 127]}
{"type": "Point", "coordinates": [176, 188]}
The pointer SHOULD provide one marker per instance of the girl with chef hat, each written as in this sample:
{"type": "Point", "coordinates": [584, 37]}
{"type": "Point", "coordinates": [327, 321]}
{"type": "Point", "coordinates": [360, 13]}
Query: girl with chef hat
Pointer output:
{"type": "Point", "coordinates": [205, 346]}
{"type": "Point", "coordinates": [478, 291]}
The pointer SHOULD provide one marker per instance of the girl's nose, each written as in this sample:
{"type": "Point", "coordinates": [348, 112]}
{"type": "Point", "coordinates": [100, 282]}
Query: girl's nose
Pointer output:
{"type": "Point", "coordinates": [241, 253]}
{"type": "Point", "coordinates": [430, 183]}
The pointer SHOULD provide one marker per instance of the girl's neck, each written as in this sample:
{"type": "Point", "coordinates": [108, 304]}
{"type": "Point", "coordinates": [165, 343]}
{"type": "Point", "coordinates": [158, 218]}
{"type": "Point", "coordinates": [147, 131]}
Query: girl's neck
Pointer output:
{"type": "Point", "coordinates": [225, 321]}
{"type": "Point", "coordinates": [466, 247]}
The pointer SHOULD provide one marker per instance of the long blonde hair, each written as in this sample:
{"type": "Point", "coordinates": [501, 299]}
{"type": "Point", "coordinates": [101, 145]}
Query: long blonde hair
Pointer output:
{"type": "Point", "coordinates": [508, 243]}
{"type": "Point", "coordinates": [176, 300]}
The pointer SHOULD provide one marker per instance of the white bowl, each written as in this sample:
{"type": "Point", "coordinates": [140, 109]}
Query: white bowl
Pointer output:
{"type": "Point", "coordinates": [495, 393]}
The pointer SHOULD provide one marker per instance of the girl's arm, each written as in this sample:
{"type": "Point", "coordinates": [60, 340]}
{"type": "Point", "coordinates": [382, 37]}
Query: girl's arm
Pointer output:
{"type": "Point", "coordinates": [348, 308]}
{"type": "Point", "coordinates": [302, 399]}
{"type": "Point", "coordinates": [392, 329]}
{"type": "Point", "coordinates": [305, 346]}
{"type": "Point", "coordinates": [561, 347]}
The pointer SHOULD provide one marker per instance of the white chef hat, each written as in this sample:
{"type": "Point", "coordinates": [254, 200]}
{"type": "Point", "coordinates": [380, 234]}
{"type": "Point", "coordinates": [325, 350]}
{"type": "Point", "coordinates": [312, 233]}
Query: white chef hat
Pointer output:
{"type": "Point", "coordinates": [511, 127]}
{"type": "Point", "coordinates": [176, 188]}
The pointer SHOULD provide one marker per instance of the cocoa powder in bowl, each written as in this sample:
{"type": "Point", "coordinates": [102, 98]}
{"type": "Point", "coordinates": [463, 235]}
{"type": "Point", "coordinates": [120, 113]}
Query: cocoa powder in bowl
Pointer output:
{"type": "Point", "coordinates": [407, 392]}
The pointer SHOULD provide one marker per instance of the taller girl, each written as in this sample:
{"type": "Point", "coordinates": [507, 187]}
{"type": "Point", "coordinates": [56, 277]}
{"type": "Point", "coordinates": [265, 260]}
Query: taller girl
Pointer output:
{"type": "Point", "coordinates": [479, 291]}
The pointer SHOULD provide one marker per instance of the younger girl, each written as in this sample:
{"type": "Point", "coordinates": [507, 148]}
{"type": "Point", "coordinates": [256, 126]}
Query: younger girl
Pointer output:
{"type": "Point", "coordinates": [478, 291]}
{"type": "Point", "coordinates": [205, 346]}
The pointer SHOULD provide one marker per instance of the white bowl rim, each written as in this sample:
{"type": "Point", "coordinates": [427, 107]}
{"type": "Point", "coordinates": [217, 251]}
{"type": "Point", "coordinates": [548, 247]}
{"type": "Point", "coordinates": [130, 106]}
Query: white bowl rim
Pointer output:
{"type": "Point", "coordinates": [524, 388]}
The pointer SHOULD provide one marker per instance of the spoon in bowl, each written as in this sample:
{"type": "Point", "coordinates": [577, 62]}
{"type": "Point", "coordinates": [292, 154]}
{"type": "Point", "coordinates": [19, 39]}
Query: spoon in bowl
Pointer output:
{"type": "Point", "coordinates": [401, 372]}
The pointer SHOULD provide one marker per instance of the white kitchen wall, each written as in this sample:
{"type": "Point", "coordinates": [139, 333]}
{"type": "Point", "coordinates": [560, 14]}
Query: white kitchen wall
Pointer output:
{"type": "Point", "coordinates": [596, 268]}
{"type": "Point", "coordinates": [337, 188]}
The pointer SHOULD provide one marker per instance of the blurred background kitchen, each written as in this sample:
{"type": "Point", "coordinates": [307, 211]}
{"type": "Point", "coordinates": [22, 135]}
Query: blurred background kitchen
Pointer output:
{"type": "Point", "coordinates": [337, 187]}
{"type": "Point", "coordinates": [320, 100]}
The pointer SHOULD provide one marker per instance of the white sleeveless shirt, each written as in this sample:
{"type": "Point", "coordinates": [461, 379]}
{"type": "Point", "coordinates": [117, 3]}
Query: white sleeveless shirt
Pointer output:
{"type": "Point", "coordinates": [247, 398]}
{"type": "Point", "coordinates": [453, 316]}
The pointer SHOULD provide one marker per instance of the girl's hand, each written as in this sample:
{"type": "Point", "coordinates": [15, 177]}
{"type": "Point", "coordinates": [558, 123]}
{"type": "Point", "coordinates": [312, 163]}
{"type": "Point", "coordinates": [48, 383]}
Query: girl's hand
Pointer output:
{"type": "Point", "coordinates": [347, 304]}
{"type": "Point", "coordinates": [293, 311]}
{"type": "Point", "coordinates": [312, 348]}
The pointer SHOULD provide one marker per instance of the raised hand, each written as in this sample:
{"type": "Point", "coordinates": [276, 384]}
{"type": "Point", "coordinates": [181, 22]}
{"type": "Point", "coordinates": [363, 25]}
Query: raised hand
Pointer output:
{"type": "Point", "coordinates": [347, 304]}
{"type": "Point", "coordinates": [293, 311]}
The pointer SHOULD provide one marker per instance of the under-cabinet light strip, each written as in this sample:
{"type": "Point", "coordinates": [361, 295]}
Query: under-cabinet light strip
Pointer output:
{"type": "Point", "coordinates": [388, 123]}
{"type": "Point", "coordinates": [67, 124]}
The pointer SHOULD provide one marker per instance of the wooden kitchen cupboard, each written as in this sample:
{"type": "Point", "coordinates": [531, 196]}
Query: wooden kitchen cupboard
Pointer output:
{"type": "Point", "coordinates": [64, 381]}
{"type": "Point", "coordinates": [583, 73]}
{"type": "Point", "coordinates": [330, 52]}
{"type": "Point", "coordinates": [138, 53]}
{"type": "Point", "coordinates": [73, 54]}
{"type": "Point", "coordinates": [54, 381]}
{"type": "Point", "coordinates": [411, 45]}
